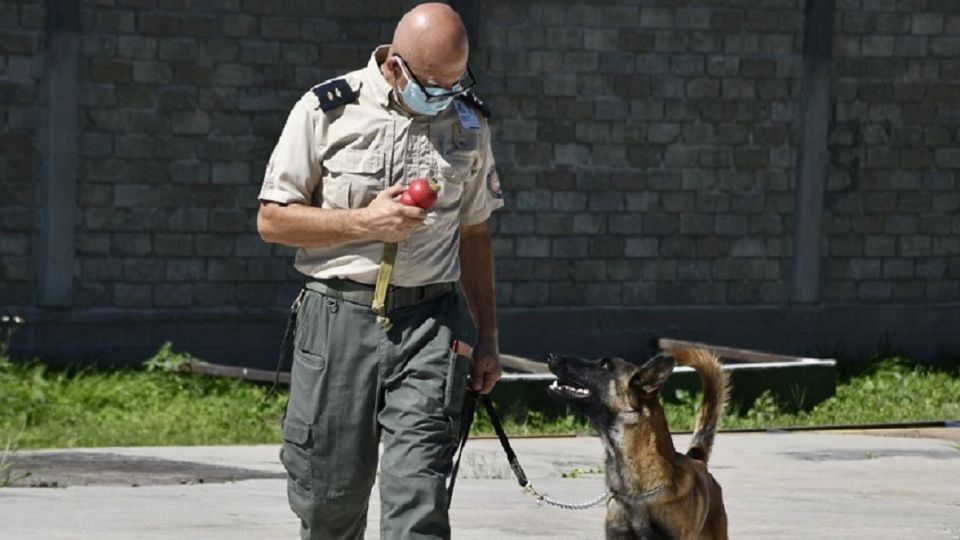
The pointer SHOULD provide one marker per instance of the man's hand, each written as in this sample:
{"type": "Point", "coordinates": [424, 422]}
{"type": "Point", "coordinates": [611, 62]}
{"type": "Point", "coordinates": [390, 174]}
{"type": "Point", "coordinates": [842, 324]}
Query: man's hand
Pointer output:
{"type": "Point", "coordinates": [387, 220]}
{"type": "Point", "coordinates": [486, 367]}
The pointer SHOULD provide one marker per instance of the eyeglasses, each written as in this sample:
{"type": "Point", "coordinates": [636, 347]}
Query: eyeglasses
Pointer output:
{"type": "Point", "coordinates": [438, 93]}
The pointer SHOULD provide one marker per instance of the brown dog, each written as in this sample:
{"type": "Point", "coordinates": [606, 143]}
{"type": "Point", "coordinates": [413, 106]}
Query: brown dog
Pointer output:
{"type": "Point", "coordinates": [656, 492]}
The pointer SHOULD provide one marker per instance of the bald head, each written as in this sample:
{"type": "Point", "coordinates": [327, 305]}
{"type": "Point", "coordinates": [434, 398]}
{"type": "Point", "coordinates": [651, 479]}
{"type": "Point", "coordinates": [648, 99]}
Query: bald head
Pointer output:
{"type": "Point", "coordinates": [432, 40]}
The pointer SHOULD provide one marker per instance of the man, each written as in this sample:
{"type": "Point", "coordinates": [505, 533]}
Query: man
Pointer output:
{"type": "Point", "coordinates": [349, 148]}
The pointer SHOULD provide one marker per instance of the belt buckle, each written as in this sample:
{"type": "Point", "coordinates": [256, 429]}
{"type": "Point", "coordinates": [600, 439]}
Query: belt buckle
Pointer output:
{"type": "Point", "coordinates": [420, 294]}
{"type": "Point", "coordinates": [398, 297]}
{"type": "Point", "coordinates": [391, 300]}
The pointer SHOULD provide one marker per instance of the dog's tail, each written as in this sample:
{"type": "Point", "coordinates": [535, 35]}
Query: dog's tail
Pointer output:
{"type": "Point", "coordinates": [715, 386]}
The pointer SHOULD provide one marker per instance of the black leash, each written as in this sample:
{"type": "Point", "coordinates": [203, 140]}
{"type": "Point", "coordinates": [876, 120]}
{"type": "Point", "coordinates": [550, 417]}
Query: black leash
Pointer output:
{"type": "Point", "coordinates": [504, 442]}
{"type": "Point", "coordinates": [287, 334]}
{"type": "Point", "coordinates": [469, 411]}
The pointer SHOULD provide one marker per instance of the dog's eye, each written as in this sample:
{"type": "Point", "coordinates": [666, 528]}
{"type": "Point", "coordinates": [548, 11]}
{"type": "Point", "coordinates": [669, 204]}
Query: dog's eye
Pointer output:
{"type": "Point", "coordinates": [607, 364]}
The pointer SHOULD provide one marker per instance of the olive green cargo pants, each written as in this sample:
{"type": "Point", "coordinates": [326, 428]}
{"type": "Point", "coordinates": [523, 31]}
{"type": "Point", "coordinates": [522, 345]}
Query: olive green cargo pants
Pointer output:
{"type": "Point", "coordinates": [354, 385]}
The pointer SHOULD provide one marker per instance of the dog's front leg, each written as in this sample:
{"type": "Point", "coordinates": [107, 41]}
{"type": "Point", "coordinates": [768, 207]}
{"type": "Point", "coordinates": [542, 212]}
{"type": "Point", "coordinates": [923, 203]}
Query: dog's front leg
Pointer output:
{"type": "Point", "coordinates": [623, 525]}
{"type": "Point", "coordinates": [620, 532]}
{"type": "Point", "coordinates": [627, 533]}
{"type": "Point", "coordinates": [617, 523]}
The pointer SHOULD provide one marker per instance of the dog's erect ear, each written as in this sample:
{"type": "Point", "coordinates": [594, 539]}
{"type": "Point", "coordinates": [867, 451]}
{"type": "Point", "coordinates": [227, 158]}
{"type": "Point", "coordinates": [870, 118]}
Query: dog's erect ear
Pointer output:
{"type": "Point", "coordinates": [651, 376]}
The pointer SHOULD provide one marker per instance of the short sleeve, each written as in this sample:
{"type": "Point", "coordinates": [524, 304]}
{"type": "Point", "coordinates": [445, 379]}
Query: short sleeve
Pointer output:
{"type": "Point", "coordinates": [294, 170]}
{"type": "Point", "coordinates": [482, 194]}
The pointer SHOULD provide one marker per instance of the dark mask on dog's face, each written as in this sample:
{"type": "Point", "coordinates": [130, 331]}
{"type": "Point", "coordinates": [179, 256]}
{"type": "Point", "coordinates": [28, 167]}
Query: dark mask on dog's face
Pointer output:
{"type": "Point", "coordinates": [608, 383]}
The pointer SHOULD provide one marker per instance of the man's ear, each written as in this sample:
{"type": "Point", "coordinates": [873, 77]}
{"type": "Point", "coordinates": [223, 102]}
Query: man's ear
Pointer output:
{"type": "Point", "coordinates": [652, 375]}
{"type": "Point", "coordinates": [393, 69]}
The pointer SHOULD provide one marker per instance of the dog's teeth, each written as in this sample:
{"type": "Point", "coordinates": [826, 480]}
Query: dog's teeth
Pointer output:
{"type": "Point", "coordinates": [572, 391]}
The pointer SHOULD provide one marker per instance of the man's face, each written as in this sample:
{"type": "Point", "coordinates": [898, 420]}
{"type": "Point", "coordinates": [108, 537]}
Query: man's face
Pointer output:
{"type": "Point", "coordinates": [427, 84]}
{"type": "Point", "coordinates": [436, 84]}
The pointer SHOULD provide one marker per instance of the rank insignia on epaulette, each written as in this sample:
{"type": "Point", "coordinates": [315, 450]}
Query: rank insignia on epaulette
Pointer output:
{"type": "Point", "coordinates": [472, 99]}
{"type": "Point", "coordinates": [335, 93]}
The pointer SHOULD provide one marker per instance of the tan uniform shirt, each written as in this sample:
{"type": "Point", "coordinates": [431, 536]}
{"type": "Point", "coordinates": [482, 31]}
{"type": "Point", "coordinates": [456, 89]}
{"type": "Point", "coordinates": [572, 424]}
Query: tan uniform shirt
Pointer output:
{"type": "Point", "coordinates": [344, 157]}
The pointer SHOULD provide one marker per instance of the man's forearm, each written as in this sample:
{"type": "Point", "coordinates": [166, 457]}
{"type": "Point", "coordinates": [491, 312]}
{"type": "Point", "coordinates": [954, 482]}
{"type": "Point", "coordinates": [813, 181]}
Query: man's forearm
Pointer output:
{"type": "Point", "coordinates": [302, 226]}
{"type": "Point", "coordinates": [476, 278]}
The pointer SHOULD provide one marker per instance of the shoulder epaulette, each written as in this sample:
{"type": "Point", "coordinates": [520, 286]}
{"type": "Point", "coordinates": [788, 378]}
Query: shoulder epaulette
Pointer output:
{"type": "Point", "coordinates": [335, 93]}
{"type": "Point", "coordinates": [470, 98]}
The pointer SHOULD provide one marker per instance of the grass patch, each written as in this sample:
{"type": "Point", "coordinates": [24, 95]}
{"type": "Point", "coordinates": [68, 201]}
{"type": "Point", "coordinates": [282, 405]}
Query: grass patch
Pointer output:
{"type": "Point", "coordinates": [153, 407]}
{"type": "Point", "coordinates": [885, 391]}
{"type": "Point", "coordinates": [42, 407]}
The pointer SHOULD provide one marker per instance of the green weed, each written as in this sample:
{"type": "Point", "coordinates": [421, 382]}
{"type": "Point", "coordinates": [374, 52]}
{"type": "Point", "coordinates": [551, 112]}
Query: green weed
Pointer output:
{"type": "Point", "coordinates": [7, 475]}
{"type": "Point", "coordinates": [577, 472]}
{"type": "Point", "coordinates": [168, 361]}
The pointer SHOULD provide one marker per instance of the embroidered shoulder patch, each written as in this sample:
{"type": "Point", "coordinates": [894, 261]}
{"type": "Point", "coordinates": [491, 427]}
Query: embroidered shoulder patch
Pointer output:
{"type": "Point", "coordinates": [493, 184]}
{"type": "Point", "coordinates": [472, 99]}
{"type": "Point", "coordinates": [334, 94]}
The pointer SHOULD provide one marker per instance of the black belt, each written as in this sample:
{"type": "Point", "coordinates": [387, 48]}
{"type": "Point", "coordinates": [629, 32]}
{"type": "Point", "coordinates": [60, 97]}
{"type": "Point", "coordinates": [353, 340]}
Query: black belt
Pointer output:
{"type": "Point", "coordinates": [355, 293]}
{"type": "Point", "coordinates": [361, 293]}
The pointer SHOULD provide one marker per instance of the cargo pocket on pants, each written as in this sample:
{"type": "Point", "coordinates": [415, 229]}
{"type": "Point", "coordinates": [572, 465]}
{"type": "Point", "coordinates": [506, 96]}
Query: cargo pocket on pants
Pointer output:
{"type": "Point", "coordinates": [295, 457]}
{"type": "Point", "coordinates": [455, 389]}
{"type": "Point", "coordinates": [307, 384]}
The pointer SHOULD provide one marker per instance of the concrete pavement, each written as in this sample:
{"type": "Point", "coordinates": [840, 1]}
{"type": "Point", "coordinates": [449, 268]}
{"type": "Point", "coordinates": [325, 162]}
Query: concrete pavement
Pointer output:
{"type": "Point", "coordinates": [776, 486]}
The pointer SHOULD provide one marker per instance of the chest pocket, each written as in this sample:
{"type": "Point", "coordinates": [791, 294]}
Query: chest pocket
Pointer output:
{"type": "Point", "coordinates": [459, 158]}
{"type": "Point", "coordinates": [352, 178]}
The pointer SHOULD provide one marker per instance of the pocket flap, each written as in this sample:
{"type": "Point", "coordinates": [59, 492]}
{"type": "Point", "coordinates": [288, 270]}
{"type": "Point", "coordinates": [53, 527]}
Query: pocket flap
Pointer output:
{"type": "Point", "coordinates": [295, 431]}
{"type": "Point", "coordinates": [458, 167]}
{"type": "Point", "coordinates": [355, 161]}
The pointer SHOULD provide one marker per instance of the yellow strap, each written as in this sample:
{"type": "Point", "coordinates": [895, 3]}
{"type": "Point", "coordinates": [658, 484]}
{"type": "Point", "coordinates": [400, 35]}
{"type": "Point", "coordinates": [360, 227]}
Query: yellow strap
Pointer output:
{"type": "Point", "coordinates": [383, 282]}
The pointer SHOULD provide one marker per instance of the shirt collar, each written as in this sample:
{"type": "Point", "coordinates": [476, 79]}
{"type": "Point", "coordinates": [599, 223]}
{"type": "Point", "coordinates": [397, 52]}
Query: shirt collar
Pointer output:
{"type": "Point", "coordinates": [381, 89]}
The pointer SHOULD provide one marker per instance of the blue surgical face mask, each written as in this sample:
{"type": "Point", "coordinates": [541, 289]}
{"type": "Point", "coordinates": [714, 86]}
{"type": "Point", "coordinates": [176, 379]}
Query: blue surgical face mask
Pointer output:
{"type": "Point", "coordinates": [415, 98]}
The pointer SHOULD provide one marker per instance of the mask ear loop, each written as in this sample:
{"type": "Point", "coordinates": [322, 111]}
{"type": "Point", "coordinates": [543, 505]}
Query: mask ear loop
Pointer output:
{"type": "Point", "coordinates": [395, 90]}
{"type": "Point", "coordinates": [405, 71]}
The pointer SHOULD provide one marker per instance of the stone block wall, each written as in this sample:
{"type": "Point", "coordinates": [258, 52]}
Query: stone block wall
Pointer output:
{"type": "Point", "coordinates": [648, 149]}
{"type": "Point", "coordinates": [21, 71]}
{"type": "Point", "coordinates": [892, 208]}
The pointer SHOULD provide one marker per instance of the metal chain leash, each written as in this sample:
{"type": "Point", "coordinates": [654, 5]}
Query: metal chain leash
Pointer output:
{"type": "Point", "coordinates": [607, 495]}
{"type": "Point", "coordinates": [544, 498]}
